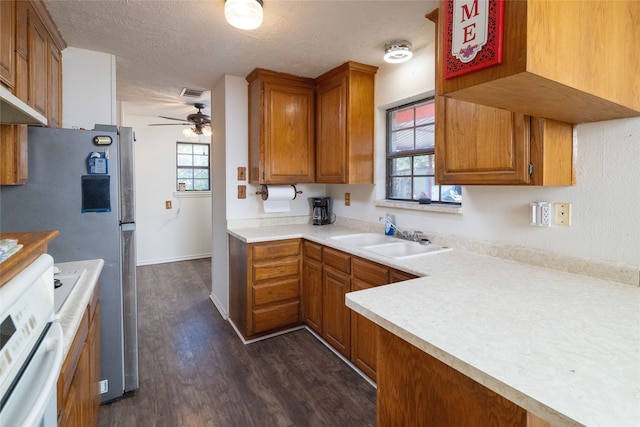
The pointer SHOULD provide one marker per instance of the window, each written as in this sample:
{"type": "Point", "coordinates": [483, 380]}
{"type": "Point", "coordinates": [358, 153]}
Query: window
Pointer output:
{"type": "Point", "coordinates": [192, 170]}
{"type": "Point", "coordinates": [410, 155]}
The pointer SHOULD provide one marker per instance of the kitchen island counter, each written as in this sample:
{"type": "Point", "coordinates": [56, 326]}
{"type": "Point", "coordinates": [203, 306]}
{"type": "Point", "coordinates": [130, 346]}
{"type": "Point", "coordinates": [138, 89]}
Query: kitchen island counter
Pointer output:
{"type": "Point", "coordinates": [71, 312]}
{"type": "Point", "coordinates": [563, 346]}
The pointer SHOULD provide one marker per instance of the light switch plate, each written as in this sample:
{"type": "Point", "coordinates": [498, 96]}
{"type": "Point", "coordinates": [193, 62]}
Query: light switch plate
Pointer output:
{"type": "Point", "coordinates": [242, 173]}
{"type": "Point", "coordinates": [242, 191]}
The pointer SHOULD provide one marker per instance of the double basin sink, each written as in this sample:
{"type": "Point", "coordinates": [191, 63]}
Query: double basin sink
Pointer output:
{"type": "Point", "coordinates": [389, 246]}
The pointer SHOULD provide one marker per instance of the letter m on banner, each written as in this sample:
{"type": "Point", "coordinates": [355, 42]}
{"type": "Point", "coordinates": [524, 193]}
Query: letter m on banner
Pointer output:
{"type": "Point", "coordinates": [470, 22]}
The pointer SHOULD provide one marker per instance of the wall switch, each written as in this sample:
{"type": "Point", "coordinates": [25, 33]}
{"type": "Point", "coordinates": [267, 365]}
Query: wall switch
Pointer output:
{"type": "Point", "coordinates": [242, 174]}
{"type": "Point", "coordinates": [167, 204]}
{"type": "Point", "coordinates": [562, 214]}
{"type": "Point", "coordinates": [242, 191]}
{"type": "Point", "coordinates": [347, 199]}
{"type": "Point", "coordinates": [104, 386]}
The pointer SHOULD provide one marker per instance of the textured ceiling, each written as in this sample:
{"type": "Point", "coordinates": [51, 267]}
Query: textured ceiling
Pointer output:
{"type": "Point", "coordinates": [163, 46]}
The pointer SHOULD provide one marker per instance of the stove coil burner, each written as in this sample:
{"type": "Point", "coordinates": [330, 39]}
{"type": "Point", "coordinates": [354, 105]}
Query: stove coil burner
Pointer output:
{"type": "Point", "coordinates": [56, 283]}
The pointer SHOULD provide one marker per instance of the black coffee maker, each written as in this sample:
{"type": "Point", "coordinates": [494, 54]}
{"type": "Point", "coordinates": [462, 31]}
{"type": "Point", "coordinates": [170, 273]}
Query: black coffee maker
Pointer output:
{"type": "Point", "coordinates": [321, 210]}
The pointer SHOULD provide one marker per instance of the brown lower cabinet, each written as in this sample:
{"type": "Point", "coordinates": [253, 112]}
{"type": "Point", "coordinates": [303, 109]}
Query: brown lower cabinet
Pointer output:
{"type": "Point", "coordinates": [264, 285]}
{"type": "Point", "coordinates": [78, 384]}
{"type": "Point", "coordinates": [284, 283]}
{"type": "Point", "coordinates": [328, 274]}
{"type": "Point", "coordinates": [415, 389]}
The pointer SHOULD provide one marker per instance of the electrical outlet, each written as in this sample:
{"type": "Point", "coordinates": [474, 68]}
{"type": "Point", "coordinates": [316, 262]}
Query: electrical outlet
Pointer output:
{"type": "Point", "coordinates": [347, 199]}
{"type": "Point", "coordinates": [104, 386]}
{"type": "Point", "coordinates": [562, 214]}
{"type": "Point", "coordinates": [545, 214]}
{"type": "Point", "coordinates": [167, 204]}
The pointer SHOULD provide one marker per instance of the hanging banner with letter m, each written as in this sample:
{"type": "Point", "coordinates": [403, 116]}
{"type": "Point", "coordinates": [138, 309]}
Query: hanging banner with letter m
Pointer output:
{"type": "Point", "coordinates": [472, 35]}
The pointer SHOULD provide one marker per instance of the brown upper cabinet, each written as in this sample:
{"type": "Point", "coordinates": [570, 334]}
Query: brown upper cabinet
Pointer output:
{"type": "Point", "coordinates": [345, 125]}
{"type": "Point", "coordinates": [30, 57]}
{"type": "Point", "coordinates": [303, 130]}
{"type": "Point", "coordinates": [7, 43]}
{"type": "Point", "coordinates": [31, 69]}
{"type": "Point", "coordinates": [476, 144]}
{"type": "Point", "coordinates": [281, 143]}
{"type": "Point", "coordinates": [484, 145]}
{"type": "Point", "coordinates": [572, 61]}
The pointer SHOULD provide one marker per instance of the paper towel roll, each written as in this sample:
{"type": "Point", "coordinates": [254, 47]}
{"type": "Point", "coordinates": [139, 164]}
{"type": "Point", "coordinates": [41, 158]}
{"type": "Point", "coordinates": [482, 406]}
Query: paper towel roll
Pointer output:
{"type": "Point", "coordinates": [277, 198]}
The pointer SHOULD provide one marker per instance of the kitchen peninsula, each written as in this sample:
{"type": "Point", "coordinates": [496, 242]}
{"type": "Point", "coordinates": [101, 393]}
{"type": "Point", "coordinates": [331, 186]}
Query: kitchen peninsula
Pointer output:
{"type": "Point", "coordinates": [560, 346]}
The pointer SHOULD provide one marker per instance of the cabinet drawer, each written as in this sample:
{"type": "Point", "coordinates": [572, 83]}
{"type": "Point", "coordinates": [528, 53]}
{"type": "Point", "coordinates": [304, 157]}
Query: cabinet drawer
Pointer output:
{"type": "Point", "coordinates": [313, 250]}
{"type": "Point", "coordinates": [274, 291]}
{"type": "Point", "coordinates": [369, 272]}
{"type": "Point", "coordinates": [276, 268]}
{"type": "Point", "coordinates": [338, 260]}
{"type": "Point", "coordinates": [276, 249]}
{"type": "Point", "coordinates": [276, 316]}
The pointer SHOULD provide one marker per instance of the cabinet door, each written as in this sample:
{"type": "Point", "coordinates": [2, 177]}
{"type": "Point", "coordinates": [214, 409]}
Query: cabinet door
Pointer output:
{"type": "Point", "coordinates": [38, 42]}
{"type": "Point", "coordinates": [289, 156]}
{"type": "Point", "coordinates": [345, 124]}
{"type": "Point", "coordinates": [363, 338]}
{"type": "Point", "coordinates": [54, 100]}
{"type": "Point", "coordinates": [331, 137]}
{"type": "Point", "coordinates": [312, 293]}
{"type": "Point", "coordinates": [13, 154]}
{"type": "Point", "coordinates": [21, 89]}
{"type": "Point", "coordinates": [366, 274]}
{"type": "Point", "coordinates": [336, 317]}
{"type": "Point", "coordinates": [476, 144]}
{"type": "Point", "coordinates": [7, 43]}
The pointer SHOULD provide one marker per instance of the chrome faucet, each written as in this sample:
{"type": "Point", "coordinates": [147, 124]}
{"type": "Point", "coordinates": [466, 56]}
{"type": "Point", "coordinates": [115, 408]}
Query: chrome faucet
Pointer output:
{"type": "Point", "coordinates": [403, 234]}
{"type": "Point", "coordinates": [415, 237]}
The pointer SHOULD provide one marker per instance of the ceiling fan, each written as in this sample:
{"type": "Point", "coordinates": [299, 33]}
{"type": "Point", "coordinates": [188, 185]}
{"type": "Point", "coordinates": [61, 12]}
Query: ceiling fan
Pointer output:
{"type": "Point", "coordinates": [200, 121]}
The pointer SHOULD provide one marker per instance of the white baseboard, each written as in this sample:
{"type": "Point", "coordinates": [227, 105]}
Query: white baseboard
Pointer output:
{"type": "Point", "coordinates": [219, 306]}
{"type": "Point", "coordinates": [174, 259]}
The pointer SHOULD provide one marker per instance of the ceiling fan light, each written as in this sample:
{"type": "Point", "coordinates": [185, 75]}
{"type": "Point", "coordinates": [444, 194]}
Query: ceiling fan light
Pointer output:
{"type": "Point", "coordinates": [206, 131]}
{"type": "Point", "coordinates": [243, 14]}
{"type": "Point", "coordinates": [398, 51]}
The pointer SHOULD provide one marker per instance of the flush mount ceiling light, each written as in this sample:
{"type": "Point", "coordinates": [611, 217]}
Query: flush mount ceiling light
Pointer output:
{"type": "Point", "coordinates": [243, 14]}
{"type": "Point", "coordinates": [397, 51]}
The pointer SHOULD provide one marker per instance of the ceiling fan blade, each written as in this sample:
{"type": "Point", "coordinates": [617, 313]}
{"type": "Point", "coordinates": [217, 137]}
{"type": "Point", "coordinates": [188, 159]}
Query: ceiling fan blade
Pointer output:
{"type": "Point", "coordinates": [171, 118]}
{"type": "Point", "coordinates": [170, 124]}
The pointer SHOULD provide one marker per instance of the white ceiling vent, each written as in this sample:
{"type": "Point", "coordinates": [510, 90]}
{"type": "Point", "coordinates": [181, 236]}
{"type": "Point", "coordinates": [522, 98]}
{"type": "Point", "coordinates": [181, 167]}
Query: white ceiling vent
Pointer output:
{"type": "Point", "coordinates": [191, 93]}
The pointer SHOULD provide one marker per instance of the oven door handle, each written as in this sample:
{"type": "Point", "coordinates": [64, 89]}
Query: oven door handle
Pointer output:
{"type": "Point", "coordinates": [53, 343]}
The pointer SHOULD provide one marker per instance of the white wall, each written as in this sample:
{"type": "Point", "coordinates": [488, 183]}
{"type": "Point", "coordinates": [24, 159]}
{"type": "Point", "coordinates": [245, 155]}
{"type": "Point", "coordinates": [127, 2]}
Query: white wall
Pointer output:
{"type": "Point", "coordinates": [225, 131]}
{"type": "Point", "coordinates": [183, 232]}
{"type": "Point", "coordinates": [605, 201]}
{"type": "Point", "coordinates": [88, 88]}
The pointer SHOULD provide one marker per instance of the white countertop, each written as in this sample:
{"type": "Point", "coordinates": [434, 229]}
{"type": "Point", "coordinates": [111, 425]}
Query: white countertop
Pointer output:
{"type": "Point", "coordinates": [73, 309]}
{"type": "Point", "coordinates": [563, 346]}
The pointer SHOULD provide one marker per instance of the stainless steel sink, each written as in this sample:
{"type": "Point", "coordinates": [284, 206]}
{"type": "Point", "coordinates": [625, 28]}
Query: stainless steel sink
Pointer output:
{"type": "Point", "coordinates": [388, 246]}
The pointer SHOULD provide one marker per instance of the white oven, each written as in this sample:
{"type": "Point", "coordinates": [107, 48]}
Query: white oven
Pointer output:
{"type": "Point", "coordinates": [31, 347]}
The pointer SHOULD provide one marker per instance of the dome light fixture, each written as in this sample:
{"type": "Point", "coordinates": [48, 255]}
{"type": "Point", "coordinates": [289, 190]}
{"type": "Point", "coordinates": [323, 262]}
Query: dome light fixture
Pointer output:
{"type": "Point", "coordinates": [397, 51]}
{"type": "Point", "coordinates": [193, 133]}
{"type": "Point", "coordinates": [243, 14]}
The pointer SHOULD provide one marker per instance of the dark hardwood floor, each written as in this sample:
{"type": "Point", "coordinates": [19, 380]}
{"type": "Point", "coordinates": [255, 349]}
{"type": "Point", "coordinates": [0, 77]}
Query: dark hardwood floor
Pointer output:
{"type": "Point", "coordinates": [195, 371]}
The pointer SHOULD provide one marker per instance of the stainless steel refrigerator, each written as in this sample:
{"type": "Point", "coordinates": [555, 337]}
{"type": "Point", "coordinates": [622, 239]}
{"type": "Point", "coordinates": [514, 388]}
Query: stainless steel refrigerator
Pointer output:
{"type": "Point", "coordinates": [81, 183]}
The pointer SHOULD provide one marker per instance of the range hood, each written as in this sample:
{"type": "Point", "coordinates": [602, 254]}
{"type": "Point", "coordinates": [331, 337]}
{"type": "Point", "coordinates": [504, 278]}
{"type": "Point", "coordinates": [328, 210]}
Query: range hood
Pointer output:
{"type": "Point", "coordinates": [14, 111]}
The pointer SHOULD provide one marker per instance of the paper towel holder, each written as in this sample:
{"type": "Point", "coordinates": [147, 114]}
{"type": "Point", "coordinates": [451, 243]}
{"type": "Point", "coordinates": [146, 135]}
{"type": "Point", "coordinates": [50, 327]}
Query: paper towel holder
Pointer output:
{"type": "Point", "coordinates": [264, 192]}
